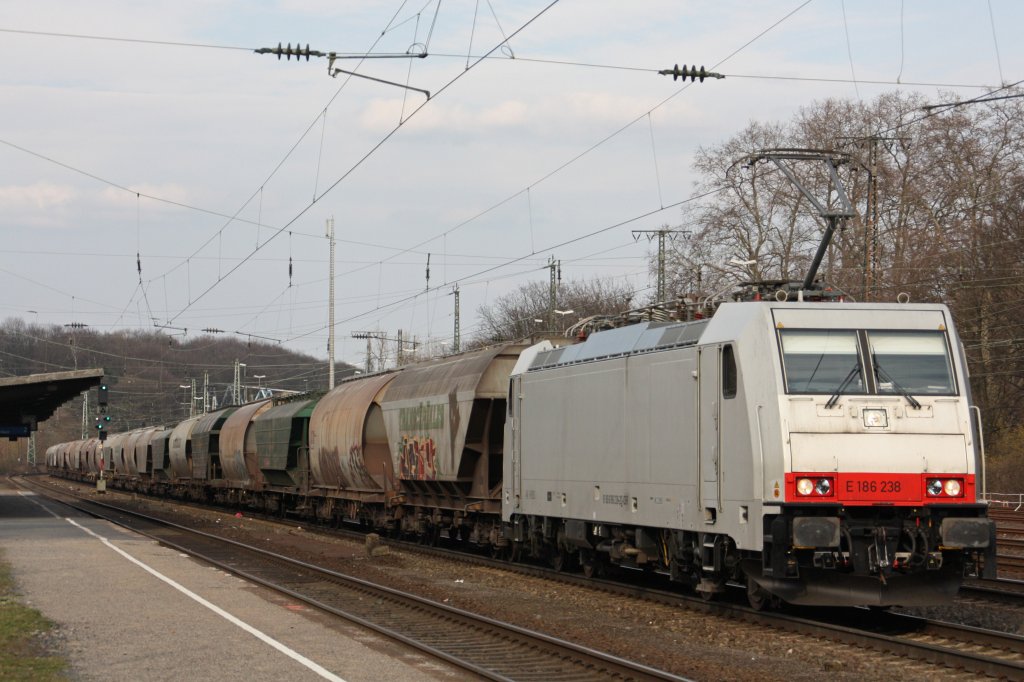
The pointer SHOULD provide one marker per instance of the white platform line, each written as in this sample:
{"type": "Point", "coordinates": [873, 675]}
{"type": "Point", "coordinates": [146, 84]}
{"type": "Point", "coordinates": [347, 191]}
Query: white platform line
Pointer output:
{"type": "Point", "coordinates": [31, 498]}
{"type": "Point", "coordinates": [267, 639]}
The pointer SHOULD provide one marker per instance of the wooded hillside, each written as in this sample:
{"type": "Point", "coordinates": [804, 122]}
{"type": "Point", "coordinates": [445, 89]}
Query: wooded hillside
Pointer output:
{"type": "Point", "coordinates": [146, 371]}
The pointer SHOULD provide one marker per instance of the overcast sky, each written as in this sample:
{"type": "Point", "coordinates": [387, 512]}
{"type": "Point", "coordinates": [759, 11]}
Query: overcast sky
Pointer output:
{"type": "Point", "coordinates": [169, 138]}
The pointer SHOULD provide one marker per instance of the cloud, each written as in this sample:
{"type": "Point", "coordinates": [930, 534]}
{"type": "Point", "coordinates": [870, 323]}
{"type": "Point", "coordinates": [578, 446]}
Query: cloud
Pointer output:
{"type": "Point", "coordinates": [168, 191]}
{"type": "Point", "coordinates": [39, 196]}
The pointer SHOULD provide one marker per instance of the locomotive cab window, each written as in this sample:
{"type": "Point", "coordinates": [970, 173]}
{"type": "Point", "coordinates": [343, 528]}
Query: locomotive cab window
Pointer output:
{"type": "Point", "coordinates": [915, 362]}
{"type": "Point", "coordinates": [729, 375]}
{"type": "Point", "coordinates": [821, 361]}
{"type": "Point", "coordinates": [845, 361]}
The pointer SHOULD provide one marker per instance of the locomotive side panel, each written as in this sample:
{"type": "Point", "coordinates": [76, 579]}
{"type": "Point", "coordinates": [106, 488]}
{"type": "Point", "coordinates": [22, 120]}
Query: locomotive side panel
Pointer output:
{"type": "Point", "coordinates": [575, 461]}
{"type": "Point", "coordinates": [611, 441]}
{"type": "Point", "coordinates": [671, 419]}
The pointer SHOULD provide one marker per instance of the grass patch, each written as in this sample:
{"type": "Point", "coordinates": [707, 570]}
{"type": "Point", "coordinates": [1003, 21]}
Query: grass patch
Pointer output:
{"type": "Point", "coordinates": [23, 654]}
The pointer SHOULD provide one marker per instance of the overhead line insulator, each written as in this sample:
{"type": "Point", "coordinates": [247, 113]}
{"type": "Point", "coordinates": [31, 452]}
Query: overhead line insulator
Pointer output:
{"type": "Point", "coordinates": [692, 73]}
{"type": "Point", "coordinates": [288, 51]}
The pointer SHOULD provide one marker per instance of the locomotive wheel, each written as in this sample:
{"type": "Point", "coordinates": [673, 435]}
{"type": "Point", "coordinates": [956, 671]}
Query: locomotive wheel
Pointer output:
{"type": "Point", "coordinates": [758, 597]}
{"type": "Point", "coordinates": [559, 559]}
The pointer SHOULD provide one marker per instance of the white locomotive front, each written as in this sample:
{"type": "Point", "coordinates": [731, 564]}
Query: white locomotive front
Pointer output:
{"type": "Point", "coordinates": [823, 453]}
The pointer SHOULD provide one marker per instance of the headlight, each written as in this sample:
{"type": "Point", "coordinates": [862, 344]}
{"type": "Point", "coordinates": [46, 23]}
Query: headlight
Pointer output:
{"type": "Point", "coordinates": [952, 487]}
{"type": "Point", "coordinates": [934, 487]}
{"type": "Point", "coordinates": [804, 486]}
{"type": "Point", "coordinates": [823, 486]}
{"type": "Point", "coordinates": [875, 418]}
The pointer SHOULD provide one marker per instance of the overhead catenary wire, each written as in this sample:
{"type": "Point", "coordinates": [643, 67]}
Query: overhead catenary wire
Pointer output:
{"type": "Point", "coordinates": [358, 163]}
{"type": "Point", "coordinates": [573, 160]}
{"type": "Point", "coordinates": [258, 226]}
{"type": "Point", "coordinates": [186, 262]}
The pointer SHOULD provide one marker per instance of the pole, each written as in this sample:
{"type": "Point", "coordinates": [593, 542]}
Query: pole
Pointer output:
{"type": "Point", "coordinates": [552, 292]}
{"type": "Point", "coordinates": [662, 238]}
{"type": "Point", "coordinates": [456, 341]}
{"type": "Point", "coordinates": [661, 266]}
{"type": "Point", "coordinates": [236, 387]}
{"type": "Point", "coordinates": [330, 314]}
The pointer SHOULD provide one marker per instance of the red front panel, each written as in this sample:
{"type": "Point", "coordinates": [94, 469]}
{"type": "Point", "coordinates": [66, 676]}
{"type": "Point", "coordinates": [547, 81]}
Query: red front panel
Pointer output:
{"type": "Point", "coordinates": [880, 489]}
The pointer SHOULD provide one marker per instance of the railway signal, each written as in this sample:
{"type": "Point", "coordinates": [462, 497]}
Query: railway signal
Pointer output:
{"type": "Point", "coordinates": [103, 395]}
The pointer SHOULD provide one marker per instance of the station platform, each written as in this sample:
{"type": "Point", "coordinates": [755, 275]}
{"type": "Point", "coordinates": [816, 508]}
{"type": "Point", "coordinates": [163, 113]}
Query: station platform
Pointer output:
{"type": "Point", "coordinates": [131, 609]}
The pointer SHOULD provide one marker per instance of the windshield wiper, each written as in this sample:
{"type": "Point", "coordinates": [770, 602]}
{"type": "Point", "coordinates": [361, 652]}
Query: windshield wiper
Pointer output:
{"type": "Point", "coordinates": [846, 382]}
{"type": "Point", "coordinates": [882, 374]}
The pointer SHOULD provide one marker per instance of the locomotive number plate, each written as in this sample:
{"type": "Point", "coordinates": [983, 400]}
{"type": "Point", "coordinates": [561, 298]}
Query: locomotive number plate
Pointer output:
{"type": "Point", "coordinates": [883, 486]}
{"type": "Point", "coordinates": [879, 488]}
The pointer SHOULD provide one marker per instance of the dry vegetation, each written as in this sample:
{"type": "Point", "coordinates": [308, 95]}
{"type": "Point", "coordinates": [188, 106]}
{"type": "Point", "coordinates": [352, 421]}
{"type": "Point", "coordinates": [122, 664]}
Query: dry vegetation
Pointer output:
{"type": "Point", "coordinates": [145, 370]}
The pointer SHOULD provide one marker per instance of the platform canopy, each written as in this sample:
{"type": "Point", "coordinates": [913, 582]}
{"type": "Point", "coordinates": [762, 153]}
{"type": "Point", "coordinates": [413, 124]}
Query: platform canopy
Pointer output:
{"type": "Point", "coordinates": [27, 400]}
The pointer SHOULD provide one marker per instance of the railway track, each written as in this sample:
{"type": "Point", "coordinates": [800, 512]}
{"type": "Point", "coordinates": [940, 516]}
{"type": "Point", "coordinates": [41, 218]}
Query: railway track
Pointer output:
{"type": "Point", "coordinates": [481, 645]}
{"type": "Point", "coordinates": [1010, 534]}
{"type": "Point", "coordinates": [975, 650]}
{"type": "Point", "coordinates": [1003, 590]}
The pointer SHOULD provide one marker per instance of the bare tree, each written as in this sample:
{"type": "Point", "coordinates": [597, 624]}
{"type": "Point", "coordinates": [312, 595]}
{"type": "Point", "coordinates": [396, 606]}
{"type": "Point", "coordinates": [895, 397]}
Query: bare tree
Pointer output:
{"type": "Point", "coordinates": [515, 315]}
{"type": "Point", "coordinates": [940, 199]}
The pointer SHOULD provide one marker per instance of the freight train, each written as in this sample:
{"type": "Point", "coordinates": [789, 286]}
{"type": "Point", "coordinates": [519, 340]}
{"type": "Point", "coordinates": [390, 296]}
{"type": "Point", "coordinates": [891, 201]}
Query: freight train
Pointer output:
{"type": "Point", "coordinates": [822, 454]}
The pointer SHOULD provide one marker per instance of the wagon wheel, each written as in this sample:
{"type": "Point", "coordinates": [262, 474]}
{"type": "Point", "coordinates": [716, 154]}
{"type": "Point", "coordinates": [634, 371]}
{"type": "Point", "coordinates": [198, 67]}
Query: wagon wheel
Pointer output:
{"type": "Point", "coordinates": [455, 535]}
{"type": "Point", "coordinates": [430, 535]}
{"type": "Point", "coordinates": [591, 565]}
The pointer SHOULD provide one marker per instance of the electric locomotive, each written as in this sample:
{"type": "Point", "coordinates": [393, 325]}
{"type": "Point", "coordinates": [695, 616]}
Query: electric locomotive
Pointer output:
{"type": "Point", "coordinates": [823, 453]}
